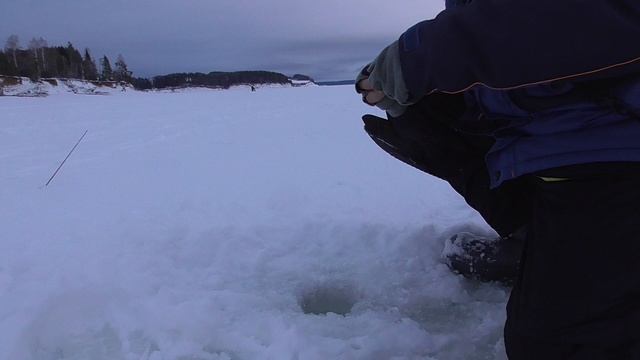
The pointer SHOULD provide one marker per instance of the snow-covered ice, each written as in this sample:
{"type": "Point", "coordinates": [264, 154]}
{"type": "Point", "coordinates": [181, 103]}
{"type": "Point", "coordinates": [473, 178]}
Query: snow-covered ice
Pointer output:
{"type": "Point", "coordinates": [208, 225]}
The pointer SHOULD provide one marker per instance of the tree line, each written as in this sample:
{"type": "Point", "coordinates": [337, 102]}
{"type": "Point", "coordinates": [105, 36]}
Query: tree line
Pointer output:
{"type": "Point", "coordinates": [218, 79]}
{"type": "Point", "coordinates": [39, 60]}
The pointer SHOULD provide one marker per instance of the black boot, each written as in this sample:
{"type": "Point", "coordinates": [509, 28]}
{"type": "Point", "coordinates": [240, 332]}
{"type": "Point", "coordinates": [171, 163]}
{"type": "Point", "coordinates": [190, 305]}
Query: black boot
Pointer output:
{"type": "Point", "coordinates": [485, 259]}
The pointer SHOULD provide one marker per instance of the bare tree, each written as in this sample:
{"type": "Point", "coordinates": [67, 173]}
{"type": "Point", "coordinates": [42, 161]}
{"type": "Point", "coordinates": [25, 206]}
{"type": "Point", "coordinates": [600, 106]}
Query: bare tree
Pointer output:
{"type": "Point", "coordinates": [12, 46]}
{"type": "Point", "coordinates": [121, 72]}
{"type": "Point", "coordinates": [34, 46]}
{"type": "Point", "coordinates": [37, 47]}
{"type": "Point", "coordinates": [43, 44]}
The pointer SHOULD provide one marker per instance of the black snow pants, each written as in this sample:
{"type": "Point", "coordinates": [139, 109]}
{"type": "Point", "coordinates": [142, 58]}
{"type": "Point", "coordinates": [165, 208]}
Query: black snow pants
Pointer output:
{"type": "Point", "coordinates": [578, 294]}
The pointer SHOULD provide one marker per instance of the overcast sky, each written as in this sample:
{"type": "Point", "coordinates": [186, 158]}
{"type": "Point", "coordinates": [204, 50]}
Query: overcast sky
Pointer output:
{"type": "Point", "coordinates": [327, 39]}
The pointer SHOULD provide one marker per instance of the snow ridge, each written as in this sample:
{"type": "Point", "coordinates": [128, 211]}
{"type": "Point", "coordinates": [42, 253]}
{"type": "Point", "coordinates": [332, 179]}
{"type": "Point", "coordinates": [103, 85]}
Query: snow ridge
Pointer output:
{"type": "Point", "coordinates": [25, 87]}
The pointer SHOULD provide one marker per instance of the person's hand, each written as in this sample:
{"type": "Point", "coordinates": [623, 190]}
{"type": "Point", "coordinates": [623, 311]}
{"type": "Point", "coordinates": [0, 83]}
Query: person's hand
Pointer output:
{"type": "Point", "coordinates": [378, 95]}
{"type": "Point", "coordinates": [369, 94]}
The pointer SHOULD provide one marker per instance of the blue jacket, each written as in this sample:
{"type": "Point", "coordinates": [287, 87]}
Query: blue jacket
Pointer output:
{"type": "Point", "coordinates": [506, 44]}
{"type": "Point", "coordinates": [573, 129]}
{"type": "Point", "coordinates": [523, 67]}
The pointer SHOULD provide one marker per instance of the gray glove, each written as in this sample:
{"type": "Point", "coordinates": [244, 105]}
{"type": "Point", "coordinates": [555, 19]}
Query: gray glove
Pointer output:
{"type": "Point", "coordinates": [385, 74]}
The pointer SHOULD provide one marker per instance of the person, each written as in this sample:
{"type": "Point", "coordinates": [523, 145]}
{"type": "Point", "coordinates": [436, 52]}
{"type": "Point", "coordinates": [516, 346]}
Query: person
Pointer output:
{"type": "Point", "coordinates": [531, 110]}
{"type": "Point", "coordinates": [424, 145]}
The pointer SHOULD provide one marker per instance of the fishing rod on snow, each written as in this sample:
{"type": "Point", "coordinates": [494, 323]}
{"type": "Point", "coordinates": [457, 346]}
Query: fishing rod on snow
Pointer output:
{"type": "Point", "coordinates": [65, 159]}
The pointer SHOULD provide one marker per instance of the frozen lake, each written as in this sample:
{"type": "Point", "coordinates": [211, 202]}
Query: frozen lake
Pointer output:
{"type": "Point", "coordinates": [203, 225]}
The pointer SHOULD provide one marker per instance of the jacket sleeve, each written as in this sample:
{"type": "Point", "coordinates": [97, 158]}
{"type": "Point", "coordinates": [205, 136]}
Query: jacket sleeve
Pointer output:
{"type": "Point", "coordinates": [505, 44]}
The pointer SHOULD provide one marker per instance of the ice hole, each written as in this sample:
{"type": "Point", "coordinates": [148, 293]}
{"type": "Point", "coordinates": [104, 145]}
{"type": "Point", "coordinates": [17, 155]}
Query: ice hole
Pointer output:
{"type": "Point", "coordinates": [328, 299]}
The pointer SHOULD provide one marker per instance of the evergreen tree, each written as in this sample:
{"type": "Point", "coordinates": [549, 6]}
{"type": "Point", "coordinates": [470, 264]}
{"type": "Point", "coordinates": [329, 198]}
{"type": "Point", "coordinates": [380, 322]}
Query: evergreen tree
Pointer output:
{"type": "Point", "coordinates": [107, 72]}
{"type": "Point", "coordinates": [121, 73]}
{"type": "Point", "coordinates": [62, 63]}
{"type": "Point", "coordinates": [75, 63]}
{"type": "Point", "coordinates": [27, 66]}
{"type": "Point", "coordinates": [90, 70]}
{"type": "Point", "coordinates": [6, 65]}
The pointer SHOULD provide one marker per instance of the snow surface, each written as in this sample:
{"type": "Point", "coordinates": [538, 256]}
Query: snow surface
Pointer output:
{"type": "Point", "coordinates": [213, 225]}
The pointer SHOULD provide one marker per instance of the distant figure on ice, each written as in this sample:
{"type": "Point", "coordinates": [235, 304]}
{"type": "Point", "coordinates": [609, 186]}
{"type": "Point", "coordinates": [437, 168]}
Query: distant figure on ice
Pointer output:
{"type": "Point", "coordinates": [253, 88]}
{"type": "Point", "coordinates": [531, 111]}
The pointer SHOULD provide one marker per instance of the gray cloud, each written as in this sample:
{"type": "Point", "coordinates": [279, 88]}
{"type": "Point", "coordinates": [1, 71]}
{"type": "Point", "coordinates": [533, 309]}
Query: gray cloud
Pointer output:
{"type": "Point", "coordinates": [328, 39]}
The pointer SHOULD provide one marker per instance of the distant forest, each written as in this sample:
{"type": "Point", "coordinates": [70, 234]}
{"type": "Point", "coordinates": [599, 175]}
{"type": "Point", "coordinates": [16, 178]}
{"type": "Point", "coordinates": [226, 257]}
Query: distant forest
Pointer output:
{"type": "Point", "coordinates": [39, 60]}
{"type": "Point", "coordinates": [216, 79]}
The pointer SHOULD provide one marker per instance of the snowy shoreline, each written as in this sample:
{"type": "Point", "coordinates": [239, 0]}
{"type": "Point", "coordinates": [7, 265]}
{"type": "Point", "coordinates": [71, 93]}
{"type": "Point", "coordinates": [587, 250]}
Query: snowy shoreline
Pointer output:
{"type": "Point", "coordinates": [25, 87]}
